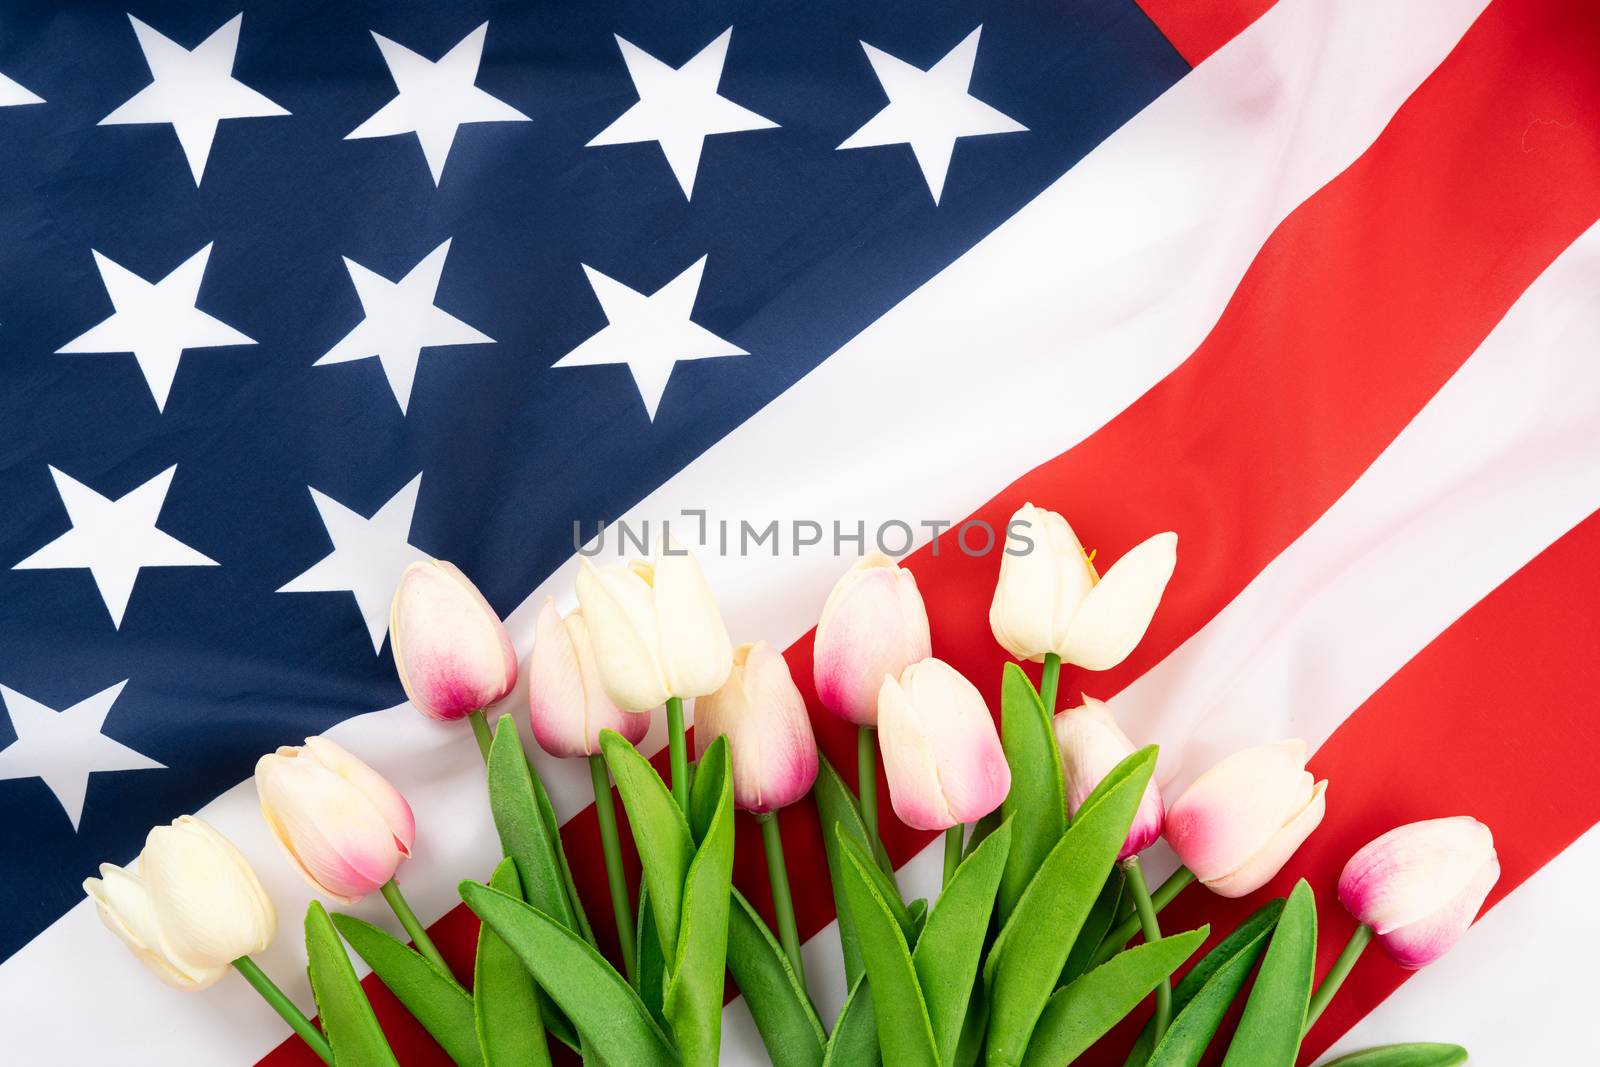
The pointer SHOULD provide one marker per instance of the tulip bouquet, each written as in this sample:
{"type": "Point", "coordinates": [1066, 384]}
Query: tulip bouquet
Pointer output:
{"type": "Point", "coordinates": [1045, 933]}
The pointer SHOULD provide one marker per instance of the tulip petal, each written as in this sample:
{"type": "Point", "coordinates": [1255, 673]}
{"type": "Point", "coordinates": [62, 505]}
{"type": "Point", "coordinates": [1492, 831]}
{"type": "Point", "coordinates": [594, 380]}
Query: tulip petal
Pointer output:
{"type": "Point", "coordinates": [908, 763]}
{"type": "Point", "coordinates": [1039, 590]}
{"type": "Point", "coordinates": [950, 717]}
{"type": "Point", "coordinates": [1266, 863]}
{"type": "Point", "coordinates": [762, 714]}
{"type": "Point", "coordinates": [873, 627]}
{"type": "Point", "coordinates": [1234, 810]}
{"type": "Point", "coordinates": [1415, 870]}
{"type": "Point", "coordinates": [696, 654]}
{"type": "Point", "coordinates": [207, 902]}
{"type": "Point", "coordinates": [333, 835]}
{"type": "Point", "coordinates": [618, 607]}
{"type": "Point", "coordinates": [1114, 616]}
{"type": "Point", "coordinates": [391, 805]}
{"type": "Point", "coordinates": [1419, 943]}
{"type": "Point", "coordinates": [453, 654]}
{"type": "Point", "coordinates": [556, 688]}
{"type": "Point", "coordinates": [124, 906]}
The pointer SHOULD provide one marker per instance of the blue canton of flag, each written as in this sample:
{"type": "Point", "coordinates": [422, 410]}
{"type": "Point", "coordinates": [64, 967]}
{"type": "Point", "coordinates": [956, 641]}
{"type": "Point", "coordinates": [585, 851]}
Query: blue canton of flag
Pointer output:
{"type": "Point", "coordinates": [292, 297]}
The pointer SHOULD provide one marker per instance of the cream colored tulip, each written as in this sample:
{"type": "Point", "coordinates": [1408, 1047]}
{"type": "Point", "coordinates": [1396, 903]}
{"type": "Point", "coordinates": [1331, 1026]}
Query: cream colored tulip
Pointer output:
{"type": "Point", "coordinates": [189, 905]}
{"type": "Point", "coordinates": [566, 701]}
{"type": "Point", "coordinates": [1051, 598]}
{"type": "Point", "coordinates": [941, 752]}
{"type": "Point", "coordinates": [762, 714]}
{"type": "Point", "coordinates": [656, 630]}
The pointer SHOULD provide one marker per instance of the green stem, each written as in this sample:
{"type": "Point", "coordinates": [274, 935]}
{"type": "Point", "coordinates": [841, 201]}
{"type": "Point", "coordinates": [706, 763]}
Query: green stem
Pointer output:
{"type": "Point", "coordinates": [480, 730]}
{"type": "Point", "coordinates": [1114, 942]}
{"type": "Point", "coordinates": [1359, 940]}
{"type": "Point", "coordinates": [284, 1007]}
{"type": "Point", "coordinates": [679, 752]}
{"type": "Point", "coordinates": [605, 809]}
{"type": "Point", "coordinates": [867, 778]}
{"type": "Point", "coordinates": [782, 901]}
{"type": "Point", "coordinates": [952, 851]}
{"type": "Point", "coordinates": [414, 928]}
{"type": "Point", "coordinates": [1049, 679]}
{"type": "Point", "coordinates": [1152, 932]}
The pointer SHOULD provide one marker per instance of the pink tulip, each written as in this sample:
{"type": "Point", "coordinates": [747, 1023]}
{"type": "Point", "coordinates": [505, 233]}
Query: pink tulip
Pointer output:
{"type": "Point", "coordinates": [873, 626]}
{"type": "Point", "coordinates": [941, 752]}
{"type": "Point", "coordinates": [341, 823]}
{"type": "Point", "coordinates": [452, 652]}
{"type": "Point", "coordinates": [1092, 744]}
{"type": "Point", "coordinates": [1239, 823]}
{"type": "Point", "coordinates": [763, 716]}
{"type": "Point", "coordinates": [566, 699]}
{"type": "Point", "coordinates": [1419, 886]}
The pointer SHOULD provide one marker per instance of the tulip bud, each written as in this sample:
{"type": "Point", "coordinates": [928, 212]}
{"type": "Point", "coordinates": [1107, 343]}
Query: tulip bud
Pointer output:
{"type": "Point", "coordinates": [341, 823]}
{"type": "Point", "coordinates": [1239, 823]}
{"type": "Point", "coordinates": [873, 626]}
{"type": "Point", "coordinates": [566, 701]}
{"type": "Point", "coordinates": [452, 652]}
{"type": "Point", "coordinates": [1092, 744]}
{"type": "Point", "coordinates": [656, 630]}
{"type": "Point", "coordinates": [941, 752]}
{"type": "Point", "coordinates": [1051, 599]}
{"type": "Point", "coordinates": [763, 716]}
{"type": "Point", "coordinates": [188, 906]}
{"type": "Point", "coordinates": [1420, 886]}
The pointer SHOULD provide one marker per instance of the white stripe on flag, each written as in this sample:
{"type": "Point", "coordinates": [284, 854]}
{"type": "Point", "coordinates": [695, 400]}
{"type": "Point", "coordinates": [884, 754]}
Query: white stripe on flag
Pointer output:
{"type": "Point", "coordinates": [1089, 296]}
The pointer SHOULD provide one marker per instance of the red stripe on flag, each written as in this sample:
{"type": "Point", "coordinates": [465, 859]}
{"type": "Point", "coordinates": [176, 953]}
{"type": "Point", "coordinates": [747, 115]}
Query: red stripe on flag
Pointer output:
{"type": "Point", "coordinates": [1357, 309]}
{"type": "Point", "coordinates": [1196, 28]}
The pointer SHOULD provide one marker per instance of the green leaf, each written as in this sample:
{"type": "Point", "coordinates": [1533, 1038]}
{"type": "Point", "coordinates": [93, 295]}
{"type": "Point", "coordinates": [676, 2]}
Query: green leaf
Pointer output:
{"type": "Point", "coordinates": [1421, 1054]}
{"type": "Point", "coordinates": [524, 835]}
{"type": "Point", "coordinates": [614, 1022]}
{"type": "Point", "coordinates": [552, 830]}
{"type": "Point", "coordinates": [836, 806]}
{"type": "Point", "coordinates": [1037, 802]}
{"type": "Point", "coordinates": [435, 1000]}
{"type": "Point", "coordinates": [788, 1023]}
{"type": "Point", "coordinates": [347, 1019]}
{"type": "Point", "coordinates": [951, 944]}
{"type": "Point", "coordinates": [1275, 1014]}
{"type": "Point", "coordinates": [905, 1035]}
{"type": "Point", "coordinates": [652, 964]}
{"type": "Point", "coordinates": [1099, 920]}
{"type": "Point", "coordinates": [973, 1028]}
{"type": "Point", "coordinates": [706, 789]}
{"type": "Point", "coordinates": [1200, 1001]}
{"type": "Point", "coordinates": [695, 986]}
{"type": "Point", "coordinates": [854, 1041]}
{"type": "Point", "coordinates": [506, 1014]}
{"type": "Point", "coordinates": [660, 831]}
{"type": "Point", "coordinates": [1082, 1013]}
{"type": "Point", "coordinates": [1021, 970]}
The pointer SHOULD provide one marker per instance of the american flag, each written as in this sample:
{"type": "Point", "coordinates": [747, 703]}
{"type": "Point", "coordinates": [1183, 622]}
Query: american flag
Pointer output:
{"type": "Point", "coordinates": [291, 297]}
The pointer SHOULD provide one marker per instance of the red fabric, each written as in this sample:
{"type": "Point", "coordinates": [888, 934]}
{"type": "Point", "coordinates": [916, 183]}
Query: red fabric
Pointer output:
{"type": "Point", "coordinates": [1358, 308]}
{"type": "Point", "coordinates": [1197, 28]}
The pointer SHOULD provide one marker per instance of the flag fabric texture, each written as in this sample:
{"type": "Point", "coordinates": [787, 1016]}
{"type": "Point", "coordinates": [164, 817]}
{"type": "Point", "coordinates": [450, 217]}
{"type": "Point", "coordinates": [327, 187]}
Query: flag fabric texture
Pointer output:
{"type": "Point", "coordinates": [292, 297]}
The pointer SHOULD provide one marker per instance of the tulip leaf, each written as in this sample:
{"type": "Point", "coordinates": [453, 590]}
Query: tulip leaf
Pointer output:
{"type": "Point", "coordinates": [660, 831]}
{"type": "Point", "coordinates": [777, 999]}
{"type": "Point", "coordinates": [854, 1041]}
{"type": "Point", "coordinates": [552, 830]}
{"type": "Point", "coordinates": [347, 1018]}
{"type": "Point", "coordinates": [524, 836]}
{"type": "Point", "coordinates": [951, 943]}
{"type": "Point", "coordinates": [1099, 920]}
{"type": "Point", "coordinates": [973, 1028]}
{"type": "Point", "coordinates": [1418, 1054]}
{"type": "Point", "coordinates": [905, 1034]}
{"type": "Point", "coordinates": [696, 983]}
{"type": "Point", "coordinates": [1274, 1016]}
{"type": "Point", "coordinates": [433, 998]}
{"type": "Point", "coordinates": [839, 813]}
{"type": "Point", "coordinates": [652, 983]}
{"type": "Point", "coordinates": [609, 1015]}
{"type": "Point", "coordinates": [1037, 802]}
{"type": "Point", "coordinates": [1079, 1015]}
{"type": "Point", "coordinates": [1201, 1000]}
{"type": "Point", "coordinates": [1021, 969]}
{"type": "Point", "coordinates": [706, 789]}
{"type": "Point", "coordinates": [505, 1000]}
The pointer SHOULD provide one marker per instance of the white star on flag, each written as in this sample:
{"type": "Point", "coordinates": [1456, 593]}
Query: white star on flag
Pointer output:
{"type": "Point", "coordinates": [648, 333]}
{"type": "Point", "coordinates": [13, 95]}
{"type": "Point", "coordinates": [368, 555]}
{"type": "Point", "coordinates": [401, 320]}
{"type": "Point", "coordinates": [193, 90]}
{"type": "Point", "coordinates": [930, 109]}
{"type": "Point", "coordinates": [114, 539]}
{"type": "Point", "coordinates": [679, 108]}
{"type": "Point", "coordinates": [156, 322]}
{"type": "Point", "coordinates": [63, 748]}
{"type": "Point", "coordinates": [436, 98]}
